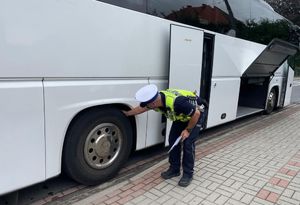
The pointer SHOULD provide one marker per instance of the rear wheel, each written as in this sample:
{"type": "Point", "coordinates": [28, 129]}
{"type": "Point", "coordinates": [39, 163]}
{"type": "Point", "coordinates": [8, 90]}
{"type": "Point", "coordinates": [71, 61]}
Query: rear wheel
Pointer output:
{"type": "Point", "coordinates": [97, 145]}
{"type": "Point", "coordinates": [271, 102]}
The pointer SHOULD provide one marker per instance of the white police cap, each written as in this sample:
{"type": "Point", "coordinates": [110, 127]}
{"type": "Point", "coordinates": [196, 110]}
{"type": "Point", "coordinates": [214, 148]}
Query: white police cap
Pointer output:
{"type": "Point", "coordinates": [146, 94]}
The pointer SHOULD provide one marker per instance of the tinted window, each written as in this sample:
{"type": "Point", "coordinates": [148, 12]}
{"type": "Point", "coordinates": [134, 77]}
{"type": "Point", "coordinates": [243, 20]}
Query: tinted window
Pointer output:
{"type": "Point", "coordinates": [199, 13]}
{"type": "Point", "coordinates": [253, 20]}
{"type": "Point", "coordinates": [137, 5]}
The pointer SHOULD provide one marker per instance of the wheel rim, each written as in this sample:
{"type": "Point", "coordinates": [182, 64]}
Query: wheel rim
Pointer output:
{"type": "Point", "coordinates": [102, 145]}
{"type": "Point", "coordinates": [271, 101]}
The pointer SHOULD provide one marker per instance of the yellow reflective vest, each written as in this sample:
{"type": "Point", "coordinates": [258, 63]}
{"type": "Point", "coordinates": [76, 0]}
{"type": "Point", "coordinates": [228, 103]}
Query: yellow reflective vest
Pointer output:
{"type": "Point", "coordinates": [170, 96]}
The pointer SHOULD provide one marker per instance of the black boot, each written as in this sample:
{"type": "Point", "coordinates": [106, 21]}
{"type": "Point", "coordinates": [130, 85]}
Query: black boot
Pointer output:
{"type": "Point", "coordinates": [185, 180]}
{"type": "Point", "coordinates": [169, 174]}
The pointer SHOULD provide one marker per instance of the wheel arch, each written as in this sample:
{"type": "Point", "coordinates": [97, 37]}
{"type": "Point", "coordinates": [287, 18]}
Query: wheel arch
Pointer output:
{"type": "Point", "coordinates": [118, 106]}
{"type": "Point", "coordinates": [276, 88]}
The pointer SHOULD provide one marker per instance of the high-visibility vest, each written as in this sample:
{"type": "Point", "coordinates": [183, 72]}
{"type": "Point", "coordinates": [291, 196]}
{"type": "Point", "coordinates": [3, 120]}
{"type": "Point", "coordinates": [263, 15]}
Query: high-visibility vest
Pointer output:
{"type": "Point", "coordinates": [170, 96]}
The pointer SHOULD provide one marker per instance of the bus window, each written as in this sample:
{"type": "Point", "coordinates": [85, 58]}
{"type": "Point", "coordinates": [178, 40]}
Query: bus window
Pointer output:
{"type": "Point", "coordinates": [136, 5]}
{"type": "Point", "coordinates": [193, 12]}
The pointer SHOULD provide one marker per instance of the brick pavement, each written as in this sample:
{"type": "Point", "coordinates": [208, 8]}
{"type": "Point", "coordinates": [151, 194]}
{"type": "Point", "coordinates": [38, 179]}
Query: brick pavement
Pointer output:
{"type": "Point", "coordinates": [255, 164]}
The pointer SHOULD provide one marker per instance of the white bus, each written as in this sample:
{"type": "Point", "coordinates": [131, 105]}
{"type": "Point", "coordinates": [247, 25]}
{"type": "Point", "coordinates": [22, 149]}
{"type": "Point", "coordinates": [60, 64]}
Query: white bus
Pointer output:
{"type": "Point", "coordinates": [68, 68]}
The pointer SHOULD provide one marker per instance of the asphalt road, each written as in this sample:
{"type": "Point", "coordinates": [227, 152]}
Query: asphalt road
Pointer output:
{"type": "Point", "coordinates": [61, 183]}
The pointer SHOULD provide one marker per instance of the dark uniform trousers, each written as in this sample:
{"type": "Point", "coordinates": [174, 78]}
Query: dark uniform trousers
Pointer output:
{"type": "Point", "coordinates": [188, 159]}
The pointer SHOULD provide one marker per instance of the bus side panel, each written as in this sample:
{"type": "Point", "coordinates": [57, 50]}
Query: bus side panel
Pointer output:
{"type": "Point", "coordinates": [66, 98]}
{"type": "Point", "coordinates": [81, 39]}
{"type": "Point", "coordinates": [22, 142]}
{"type": "Point", "coordinates": [223, 101]}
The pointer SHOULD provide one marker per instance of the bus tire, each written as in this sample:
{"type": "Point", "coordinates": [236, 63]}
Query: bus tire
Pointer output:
{"type": "Point", "coordinates": [97, 144]}
{"type": "Point", "coordinates": [271, 101]}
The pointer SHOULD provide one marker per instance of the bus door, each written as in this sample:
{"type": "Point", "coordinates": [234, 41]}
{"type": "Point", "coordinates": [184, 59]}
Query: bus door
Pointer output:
{"type": "Point", "coordinates": [289, 86]}
{"type": "Point", "coordinates": [186, 51]}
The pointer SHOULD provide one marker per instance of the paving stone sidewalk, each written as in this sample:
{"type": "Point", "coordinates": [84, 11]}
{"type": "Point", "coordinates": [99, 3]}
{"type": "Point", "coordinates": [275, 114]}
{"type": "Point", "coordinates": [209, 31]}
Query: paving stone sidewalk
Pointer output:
{"type": "Point", "coordinates": [258, 164]}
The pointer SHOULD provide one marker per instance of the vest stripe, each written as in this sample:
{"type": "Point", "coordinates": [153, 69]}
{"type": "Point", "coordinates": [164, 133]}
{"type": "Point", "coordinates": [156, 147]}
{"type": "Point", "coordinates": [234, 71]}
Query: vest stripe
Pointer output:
{"type": "Point", "coordinates": [170, 96]}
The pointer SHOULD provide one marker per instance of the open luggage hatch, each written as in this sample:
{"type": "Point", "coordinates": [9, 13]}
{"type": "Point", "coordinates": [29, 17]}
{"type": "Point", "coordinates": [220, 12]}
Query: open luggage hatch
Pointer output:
{"type": "Point", "coordinates": [270, 59]}
{"type": "Point", "coordinates": [256, 78]}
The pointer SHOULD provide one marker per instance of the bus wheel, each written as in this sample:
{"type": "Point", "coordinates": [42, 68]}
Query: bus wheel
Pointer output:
{"type": "Point", "coordinates": [271, 101]}
{"type": "Point", "coordinates": [97, 145]}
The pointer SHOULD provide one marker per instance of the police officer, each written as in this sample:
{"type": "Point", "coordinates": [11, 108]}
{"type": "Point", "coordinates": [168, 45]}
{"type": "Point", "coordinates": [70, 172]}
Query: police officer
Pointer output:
{"type": "Point", "coordinates": [187, 112]}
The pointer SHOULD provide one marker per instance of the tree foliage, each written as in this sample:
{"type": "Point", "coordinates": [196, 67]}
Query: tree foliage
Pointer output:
{"type": "Point", "coordinates": [264, 31]}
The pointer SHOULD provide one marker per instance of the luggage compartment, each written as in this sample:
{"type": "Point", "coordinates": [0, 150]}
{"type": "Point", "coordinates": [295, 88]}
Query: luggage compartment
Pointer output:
{"type": "Point", "coordinates": [253, 95]}
{"type": "Point", "coordinates": [255, 79]}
